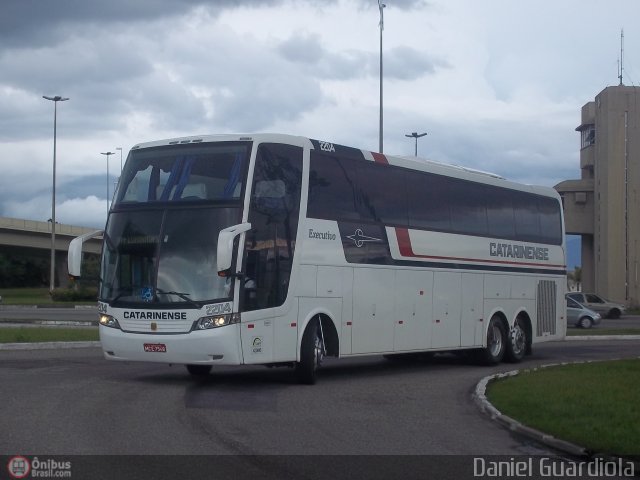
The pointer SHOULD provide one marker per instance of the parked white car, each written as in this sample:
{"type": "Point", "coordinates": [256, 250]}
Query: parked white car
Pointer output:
{"type": "Point", "coordinates": [598, 304]}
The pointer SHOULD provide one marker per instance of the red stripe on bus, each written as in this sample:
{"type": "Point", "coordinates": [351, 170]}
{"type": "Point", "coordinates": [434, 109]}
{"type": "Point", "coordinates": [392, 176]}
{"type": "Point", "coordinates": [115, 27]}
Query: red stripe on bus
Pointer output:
{"type": "Point", "coordinates": [406, 250]}
{"type": "Point", "coordinates": [404, 242]}
{"type": "Point", "coordinates": [380, 158]}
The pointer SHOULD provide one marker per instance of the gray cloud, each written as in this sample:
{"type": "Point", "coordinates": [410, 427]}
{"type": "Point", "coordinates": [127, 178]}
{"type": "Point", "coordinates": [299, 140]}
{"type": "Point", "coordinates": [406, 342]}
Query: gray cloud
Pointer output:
{"type": "Point", "coordinates": [400, 63]}
{"type": "Point", "coordinates": [43, 22]}
{"type": "Point", "coordinates": [302, 48]}
{"type": "Point", "coordinates": [400, 4]}
{"type": "Point", "coordinates": [407, 63]}
{"type": "Point", "coordinates": [38, 23]}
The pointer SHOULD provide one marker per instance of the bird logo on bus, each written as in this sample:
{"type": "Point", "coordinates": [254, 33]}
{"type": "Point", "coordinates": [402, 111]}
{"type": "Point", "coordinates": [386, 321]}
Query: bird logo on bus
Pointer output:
{"type": "Point", "coordinates": [359, 238]}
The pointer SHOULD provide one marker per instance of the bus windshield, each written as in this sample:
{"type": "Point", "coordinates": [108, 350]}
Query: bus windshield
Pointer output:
{"type": "Point", "coordinates": [179, 173]}
{"type": "Point", "coordinates": [161, 236]}
{"type": "Point", "coordinates": [160, 257]}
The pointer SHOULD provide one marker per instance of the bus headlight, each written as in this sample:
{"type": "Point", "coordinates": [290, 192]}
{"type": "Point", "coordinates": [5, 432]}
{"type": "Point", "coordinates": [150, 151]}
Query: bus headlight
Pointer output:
{"type": "Point", "coordinates": [108, 321]}
{"type": "Point", "coordinates": [215, 321]}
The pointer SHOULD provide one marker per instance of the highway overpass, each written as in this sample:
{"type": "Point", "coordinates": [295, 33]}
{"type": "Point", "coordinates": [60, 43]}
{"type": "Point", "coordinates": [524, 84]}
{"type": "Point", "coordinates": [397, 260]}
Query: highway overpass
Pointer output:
{"type": "Point", "coordinates": [32, 238]}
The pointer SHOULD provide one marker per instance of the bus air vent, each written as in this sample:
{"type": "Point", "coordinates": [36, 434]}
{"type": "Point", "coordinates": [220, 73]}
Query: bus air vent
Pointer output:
{"type": "Point", "coordinates": [546, 296]}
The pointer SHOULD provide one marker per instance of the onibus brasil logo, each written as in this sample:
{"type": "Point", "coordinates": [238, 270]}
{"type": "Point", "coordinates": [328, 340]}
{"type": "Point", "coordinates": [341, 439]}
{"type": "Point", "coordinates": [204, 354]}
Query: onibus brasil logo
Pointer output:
{"type": "Point", "coordinates": [21, 467]}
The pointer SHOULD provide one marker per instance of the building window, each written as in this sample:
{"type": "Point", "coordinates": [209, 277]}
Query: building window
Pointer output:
{"type": "Point", "coordinates": [588, 136]}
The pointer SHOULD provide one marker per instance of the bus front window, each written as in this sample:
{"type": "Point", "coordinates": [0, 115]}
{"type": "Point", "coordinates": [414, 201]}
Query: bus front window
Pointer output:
{"type": "Point", "coordinates": [161, 236]}
{"type": "Point", "coordinates": [160, 257]}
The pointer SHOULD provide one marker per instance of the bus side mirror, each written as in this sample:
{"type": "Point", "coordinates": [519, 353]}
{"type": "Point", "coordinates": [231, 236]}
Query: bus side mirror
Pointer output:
{"type": "Point", "coordinates": [74, 257]}
{"type": "Point", "coordinates": [225, 246]}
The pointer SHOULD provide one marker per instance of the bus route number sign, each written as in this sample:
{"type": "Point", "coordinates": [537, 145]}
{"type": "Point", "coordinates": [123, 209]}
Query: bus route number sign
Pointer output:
{"type": "Point", "coordinates": [155, 347]}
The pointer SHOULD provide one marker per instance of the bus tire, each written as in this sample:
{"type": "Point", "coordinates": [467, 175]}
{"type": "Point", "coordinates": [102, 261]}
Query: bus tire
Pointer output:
{"type": "Point", "coordinates": [493, 353]}
{"type": "Point", "coordinates": [198, 370]}
{"type": "Point", "coordinates": [311, 354]}
{"type": "Point", "coordinates": [518, 341]}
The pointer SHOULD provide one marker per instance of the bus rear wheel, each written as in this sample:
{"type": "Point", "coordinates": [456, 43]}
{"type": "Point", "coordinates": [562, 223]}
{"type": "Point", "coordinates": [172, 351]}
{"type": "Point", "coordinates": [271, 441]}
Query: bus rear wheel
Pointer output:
{"type": "Point", "coordinates": [493, 353]}
{"type": "Point", "coordinates": [518, 341]}
{"type": "Point", "coordinates": [199, 370]}
{"type": "Point", "coordinates": [311, 354]}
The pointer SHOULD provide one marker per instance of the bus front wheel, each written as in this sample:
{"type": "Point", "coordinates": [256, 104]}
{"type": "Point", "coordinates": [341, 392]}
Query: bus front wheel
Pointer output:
{"type": "Point", "coordinates": [311, 354]}
{"type": "Point", "coordinates": [493, 353]}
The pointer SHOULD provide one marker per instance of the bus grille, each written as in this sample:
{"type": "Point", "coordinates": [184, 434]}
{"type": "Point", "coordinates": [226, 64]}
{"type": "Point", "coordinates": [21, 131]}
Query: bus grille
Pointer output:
{"type": "Point", "coordinates": [546, 308]}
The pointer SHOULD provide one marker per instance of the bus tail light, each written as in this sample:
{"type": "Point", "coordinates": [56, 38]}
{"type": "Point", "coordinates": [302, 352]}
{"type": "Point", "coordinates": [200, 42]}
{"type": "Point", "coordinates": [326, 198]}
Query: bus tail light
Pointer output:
{"type": "Point", "coordinates": [215, 321]}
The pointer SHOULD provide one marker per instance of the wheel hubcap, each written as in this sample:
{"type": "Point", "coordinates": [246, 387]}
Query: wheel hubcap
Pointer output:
{"type": "Point", "coordinates": [517, 339]}
{"type": "Point", "coordinates": [318, 356]}
{"type": "Point", "coordinates": [495, 341]}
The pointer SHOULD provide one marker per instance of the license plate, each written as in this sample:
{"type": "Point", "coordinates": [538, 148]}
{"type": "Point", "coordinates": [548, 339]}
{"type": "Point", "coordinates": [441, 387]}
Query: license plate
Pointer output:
{"type": "Point", "coordinates": [155, 347]}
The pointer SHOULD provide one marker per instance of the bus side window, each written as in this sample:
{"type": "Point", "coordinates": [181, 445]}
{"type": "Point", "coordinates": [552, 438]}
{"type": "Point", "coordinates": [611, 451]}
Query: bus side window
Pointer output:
{"type": "Point", "coordinates": [333, 192]}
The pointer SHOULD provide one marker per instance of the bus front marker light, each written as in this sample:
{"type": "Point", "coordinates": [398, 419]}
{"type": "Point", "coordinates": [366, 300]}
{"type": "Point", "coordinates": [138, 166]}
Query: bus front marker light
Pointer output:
{"type": "Point", "coordinates": [108, 321]}
{"type": "Point", "coordinates": [206, 323]}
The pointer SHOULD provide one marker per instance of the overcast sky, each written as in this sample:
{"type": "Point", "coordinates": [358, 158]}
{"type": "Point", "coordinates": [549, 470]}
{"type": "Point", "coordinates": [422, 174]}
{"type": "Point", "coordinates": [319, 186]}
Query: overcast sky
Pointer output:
{"type": "Point", "coordinates": [497, 84]}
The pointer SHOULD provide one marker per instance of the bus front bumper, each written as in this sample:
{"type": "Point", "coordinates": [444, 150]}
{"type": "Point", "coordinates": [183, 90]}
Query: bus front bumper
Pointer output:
{"type": "Point", "coordinates": [218, 346]}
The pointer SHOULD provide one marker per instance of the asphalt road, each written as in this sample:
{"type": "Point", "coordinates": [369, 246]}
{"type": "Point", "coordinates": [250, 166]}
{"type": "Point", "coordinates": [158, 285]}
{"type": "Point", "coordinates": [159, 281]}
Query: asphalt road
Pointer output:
{"type": "Point", "coordinates": [28, 314]}
{"type": "Point", "coordinates": [73, 402]}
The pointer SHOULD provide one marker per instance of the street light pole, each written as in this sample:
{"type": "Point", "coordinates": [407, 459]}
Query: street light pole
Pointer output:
{"type": "Point", "coordinates": [416, 135]}
{"type": "Point", "coordinates": [52, 281]}
{"type": "Point", "coordinates": [107, 154]}
{"type": "Point", "coordinates": [380, 129]}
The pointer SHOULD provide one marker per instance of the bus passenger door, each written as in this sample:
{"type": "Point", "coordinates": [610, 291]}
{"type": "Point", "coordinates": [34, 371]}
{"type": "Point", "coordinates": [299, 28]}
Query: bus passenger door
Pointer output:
{"type": "Point", "coordinates": [256, 330]}
{"type": "Point", "coordinates": [446, 310]}
{"type": "Point", "coordinates": [269, 250]}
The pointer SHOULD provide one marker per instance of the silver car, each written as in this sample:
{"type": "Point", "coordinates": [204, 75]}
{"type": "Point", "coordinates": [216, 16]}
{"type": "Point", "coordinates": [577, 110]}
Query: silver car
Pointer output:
{"type": "Point", "coordinates": [598, 304]}
{"type": "Point", "coordinates": [580, 316]}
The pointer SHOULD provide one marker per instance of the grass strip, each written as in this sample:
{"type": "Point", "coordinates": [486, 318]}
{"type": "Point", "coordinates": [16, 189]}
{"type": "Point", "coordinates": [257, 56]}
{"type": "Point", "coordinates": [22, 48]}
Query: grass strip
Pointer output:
{"type": "Point", "coordinates": [594, 405]}
{"type": "Point", "coordinates": [47, 334]}
{"type": "Point", "coordinates": [26, 296]}
{"type": "Point", "coordinates": [36, 296]}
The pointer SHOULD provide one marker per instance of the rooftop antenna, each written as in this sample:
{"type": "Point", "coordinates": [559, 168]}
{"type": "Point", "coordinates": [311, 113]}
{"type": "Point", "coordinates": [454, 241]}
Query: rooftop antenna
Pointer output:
{"type": "Point", "coordinates": [621, 61]}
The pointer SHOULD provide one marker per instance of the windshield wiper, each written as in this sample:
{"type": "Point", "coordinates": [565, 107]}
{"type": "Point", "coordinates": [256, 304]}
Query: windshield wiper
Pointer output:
{"type": "Point", "coordinates": [183, 296]}
{"type": "Point", "coordinates": [129, 291]}
{"type": "Point", "coordinates": [122, 292]}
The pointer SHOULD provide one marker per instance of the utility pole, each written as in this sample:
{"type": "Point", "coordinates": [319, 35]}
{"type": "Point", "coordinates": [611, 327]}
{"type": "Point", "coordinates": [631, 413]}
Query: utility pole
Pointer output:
{"type": "Point", "coordinates": [381, 7]}
{"type": "Point", "coordinates": [52, 279]}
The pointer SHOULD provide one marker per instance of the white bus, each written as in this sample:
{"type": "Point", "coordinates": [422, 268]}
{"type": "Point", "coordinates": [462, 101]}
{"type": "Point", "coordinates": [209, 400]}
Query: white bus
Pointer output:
{"type": "Point", "coordinates": [281, 250]}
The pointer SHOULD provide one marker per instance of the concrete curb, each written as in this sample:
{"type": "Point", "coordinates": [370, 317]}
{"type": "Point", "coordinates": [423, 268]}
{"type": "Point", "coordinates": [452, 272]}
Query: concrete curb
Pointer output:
{"type": "Point", "coordinates": [480, 399]}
